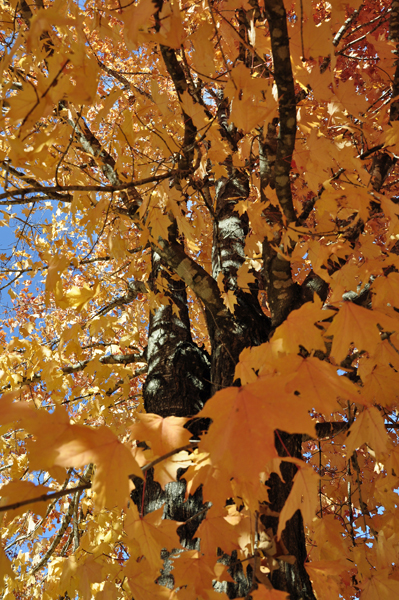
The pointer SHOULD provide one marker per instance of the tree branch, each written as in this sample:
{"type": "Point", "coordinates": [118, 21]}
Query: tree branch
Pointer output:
{"type": "Point", "coordinates": [277, 19]}
{"type": "Point", "coordinates": [202, 284]}
{"type": "Point", "coordinates": [84, 188]}
{"type": "Point", "coordinates": [134, 289]}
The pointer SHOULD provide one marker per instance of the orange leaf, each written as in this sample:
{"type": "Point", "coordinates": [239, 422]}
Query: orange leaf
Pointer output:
{"type": "Point", "coordinates": [17, 491]}
{"type": "Point", "coordinates": [218, 530]}
{"type": "Point", "coordinates": [319, 382]}
{"type": "Point", "coordinates": [303, 496]}
{"type": "Point", "coordinates": [357, 325]}
{"type": "Point", "coordinates": [152, 534]}
{"type": "Point", "coordinates": [245, 418]}
{"type": "Point", "coordinates": [368, 429]}
{"type": "Point", "coordinates": [380, 586]}
{"type": "Point", "coordinates": [299, 329]}
{"type": "Point", "coordinates": [162, 434]}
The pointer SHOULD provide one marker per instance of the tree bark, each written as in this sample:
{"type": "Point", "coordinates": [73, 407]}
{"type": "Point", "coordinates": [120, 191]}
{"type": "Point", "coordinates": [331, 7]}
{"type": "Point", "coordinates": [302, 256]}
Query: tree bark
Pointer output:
{"type": "Point", "coordinates": [181, 376]}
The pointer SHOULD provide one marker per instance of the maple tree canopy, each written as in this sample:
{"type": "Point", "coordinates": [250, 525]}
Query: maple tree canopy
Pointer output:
{"type": "Point", "coordinates": [200, 336]}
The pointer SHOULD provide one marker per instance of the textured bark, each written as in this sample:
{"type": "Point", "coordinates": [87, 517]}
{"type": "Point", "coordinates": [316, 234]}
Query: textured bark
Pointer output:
{"type": "Point", "coordinates": [180, 375]}
{"type": "Point", "coordinates": [282, 291]}
{"type": "Point", "coordinates": [248, 326]}
{"type": "Point", "coordinates": [267, 158]}
{"type": "Point", "coordinates": [178, 380]}
{"type": "Point", "coordinates": [178, 383]}
{"type": "Point", "coordinates": [277, 19]}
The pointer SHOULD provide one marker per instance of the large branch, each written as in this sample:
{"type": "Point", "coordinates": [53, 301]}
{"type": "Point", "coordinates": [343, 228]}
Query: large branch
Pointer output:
{"type": "Point", "coordinates": [277, 19]}
{"type": "Point", "coordinates": [193, 275]}
{"type": "Point", "coordinates": [91, 145]}
{"type": "Point", "coordinates": [176, 72]}
{"type": "Point", "coordinates": [110, 359]}
{"type": "Point", "coordinates": [134, 289]}
{"type": "Point", "coordinates": [83, 188]}
{"type": "Point", "coordinates": [10, 170]}
{"type": "Point", "coordinates": [178, 77]}
{"type": "Point", "coordinates": [202, 284]}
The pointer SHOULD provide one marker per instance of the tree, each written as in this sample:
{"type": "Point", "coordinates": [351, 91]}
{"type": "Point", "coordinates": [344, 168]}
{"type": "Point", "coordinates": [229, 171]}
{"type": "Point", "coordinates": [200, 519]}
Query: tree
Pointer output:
{"type": "Point", "coordinates": [199, 365]}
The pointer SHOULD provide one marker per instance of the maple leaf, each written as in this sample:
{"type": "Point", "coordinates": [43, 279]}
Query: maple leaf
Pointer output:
{"type": "Point", "coordinates": [19, 491]}
{"type": "Point", "coordinates": [303, 496]}
{"type": "Point", "coordinates": [5, 566]}
{"type": "Point", "coordinates": [325, 575]}
{"type": "Point", "coordinates": [202, 56]}
{"type": "Point", "coordinates": [229, 299]}
{"type": "Point", "coordinates": [91, 571]}
{"type": "Point", "coordinates": [331, 545]}
{"type": "Point", "coordinates": [216, 482]}
{"type": "Point", "coordinates": [60, 444]}
{"type": "Point", "coordinates": [218, 529]}
{"type": "Point", "coordinates": [141, 582]}
{"type": "Point", "coordinates": [196, 570]}
{"type": "Point", "coordinates": [380, 586]}
{"type": "Point", "coordinates": [369, 429]}
{"type": "Point", "coordinates": [246, 114]}
{"type": "Point", "coordinates": [357, 325]}
{"type": "Point", "coordinates": [78, 297]}
{"type": "Point", "coordinates": [114, 462]}
{"type": "Point", "coordinates": [237, 415]}
{"type": "Point", "coordinates": [162, 434]}
{"type": "Point", "coordinates": [380, 386]}
{"type": "Point", "coordinates": [136, 19]}
{"type": "Point", "coordinates": [152, 534]}
{"type": "Point", "coordinates": [320, 382]}
{"type": "Point", "coordinates": [299, 329]}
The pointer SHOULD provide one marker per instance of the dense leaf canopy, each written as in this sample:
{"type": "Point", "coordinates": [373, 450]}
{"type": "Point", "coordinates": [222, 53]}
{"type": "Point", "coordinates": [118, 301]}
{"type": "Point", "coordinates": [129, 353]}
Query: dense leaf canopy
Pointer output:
{"type": "Point", "coordinates": [199, 359]}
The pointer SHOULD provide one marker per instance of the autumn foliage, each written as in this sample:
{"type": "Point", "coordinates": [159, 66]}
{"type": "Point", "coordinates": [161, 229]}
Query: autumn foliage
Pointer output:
{"type": "Point", "coordinates": [199, 363]}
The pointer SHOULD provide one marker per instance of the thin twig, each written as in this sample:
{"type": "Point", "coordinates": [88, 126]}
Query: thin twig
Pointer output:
{"type": "Point", "coordinates": [87, 486]}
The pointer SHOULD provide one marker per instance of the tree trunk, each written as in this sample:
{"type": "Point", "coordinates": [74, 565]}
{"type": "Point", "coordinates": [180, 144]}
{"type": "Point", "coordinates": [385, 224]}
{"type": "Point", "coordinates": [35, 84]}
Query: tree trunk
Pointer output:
{"type": "Point", "coordinates": [181, 376]}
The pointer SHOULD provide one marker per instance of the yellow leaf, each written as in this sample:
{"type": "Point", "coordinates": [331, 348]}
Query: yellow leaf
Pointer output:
{"type": "Point", "coordinates": [172, 33]}
{"type": "Point", "coordinates": [357, 325]}
{"type": "Point", "coordinates": [247, 113]}
{"type": "Point", "coordinates": [368, 429]}
{"type": "Point", "coordinates": [320, 383]}
{"type": "Point", "coordinates": [152, 533]}
{"type": "Point", "coordinates": [244, 277]}
{"type": "Point", "coordinates": [5, 566]}
{"type": "Point", "coordinates": [303, 496]}
{"type": "Point", "coordinates": [325, 576]}
{"type": "Point", "coordinates": [202, 57]}
{"type": "Point", "coordinates": [219, 529]}
{"type": "Point", "coordinates": [56, 266]}
{"type": "Point", "coordinates": [354, 101]}
{"type": "Point", "coordinates": [299, 329]}
{"type": "Point", "coordinates": [136, 19]}
{"type": "Point", "coordinates": [162, 434]}
{"type": "Point", "coordinates": [380, 586]}
{"type": "Point", "coordinates": [79, 297]}
{"type": "Point", "coordinates": [159, 224]}
{"type": "Point", "coordinates": [230, 300]}
{"type": "Point", "coordinates": [17, 491]}
{"type": "Point", "coordinates": [61, 444]}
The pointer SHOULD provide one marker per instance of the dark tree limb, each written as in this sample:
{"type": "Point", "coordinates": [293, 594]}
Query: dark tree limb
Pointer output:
{"type": "Point", "coordinates": [277, 19]}
{"type": "Point", "coordinates": [195, 276]}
